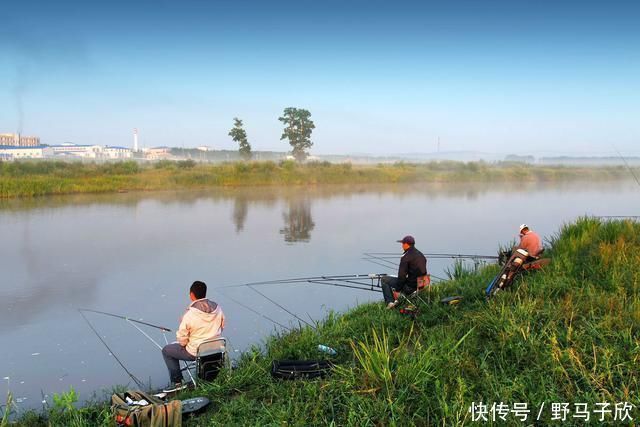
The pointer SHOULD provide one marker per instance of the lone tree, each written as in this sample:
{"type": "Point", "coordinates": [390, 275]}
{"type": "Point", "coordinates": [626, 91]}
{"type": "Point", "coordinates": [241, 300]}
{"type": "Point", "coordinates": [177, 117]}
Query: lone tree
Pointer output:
{"type": "Point", "coordinates": [238, 134]}
{"type": "Point", "coordinates": [298, 128]}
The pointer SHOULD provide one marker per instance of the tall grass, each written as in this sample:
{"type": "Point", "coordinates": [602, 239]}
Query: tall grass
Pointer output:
{"type": "Point", "coordinates": [568, 334]}
{"type": "Point", "coordinates": [6, 410]}
{"type": "Point", "coordinates": [31, 178]}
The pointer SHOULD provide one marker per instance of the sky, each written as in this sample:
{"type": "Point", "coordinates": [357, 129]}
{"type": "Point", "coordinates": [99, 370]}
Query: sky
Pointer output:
{"type": "Point", "coordinates": [379, 77]}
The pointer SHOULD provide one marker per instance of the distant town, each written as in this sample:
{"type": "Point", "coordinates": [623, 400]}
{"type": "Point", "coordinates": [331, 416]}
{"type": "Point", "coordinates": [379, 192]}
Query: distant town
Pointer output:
{"type": "Point", "coordinates": [17, 146]}
{"type": "Point", "coordinates": [14, 146]}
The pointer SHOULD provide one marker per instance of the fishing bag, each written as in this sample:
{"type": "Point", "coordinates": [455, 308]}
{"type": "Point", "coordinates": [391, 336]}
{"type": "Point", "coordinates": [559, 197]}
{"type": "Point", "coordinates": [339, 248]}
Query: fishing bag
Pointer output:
{"type": "Point", "coordinates": [129, 410]}
{"type": "Point", "coordinates": [299, 369]}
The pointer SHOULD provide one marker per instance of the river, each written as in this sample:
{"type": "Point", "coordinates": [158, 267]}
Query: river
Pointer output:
{"type": "Point", "coordinates": [136, 254]}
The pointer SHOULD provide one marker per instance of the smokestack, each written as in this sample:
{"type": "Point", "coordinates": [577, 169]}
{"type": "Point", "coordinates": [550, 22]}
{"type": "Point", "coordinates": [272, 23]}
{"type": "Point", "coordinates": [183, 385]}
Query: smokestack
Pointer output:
{"type": "Point", "coordinates": [135, 140]}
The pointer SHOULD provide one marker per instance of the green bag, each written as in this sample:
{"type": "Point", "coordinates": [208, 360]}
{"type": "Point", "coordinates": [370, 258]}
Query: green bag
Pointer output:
{"type": "Point", "coordinates": [129, 409]}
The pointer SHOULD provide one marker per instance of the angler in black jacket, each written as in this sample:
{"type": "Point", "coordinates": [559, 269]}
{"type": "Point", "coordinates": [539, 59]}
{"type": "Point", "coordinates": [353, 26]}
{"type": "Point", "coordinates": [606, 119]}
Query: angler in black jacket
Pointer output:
{"type": "Point", "coordinates": [413, 264]}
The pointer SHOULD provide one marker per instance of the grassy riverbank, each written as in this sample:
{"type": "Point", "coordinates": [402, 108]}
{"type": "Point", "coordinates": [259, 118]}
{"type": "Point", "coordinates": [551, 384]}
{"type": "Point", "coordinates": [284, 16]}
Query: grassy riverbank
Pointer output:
{"type": "Point", "coordinates": [30, 179]}
{"type": "Point", "coordinates": [568, 334]}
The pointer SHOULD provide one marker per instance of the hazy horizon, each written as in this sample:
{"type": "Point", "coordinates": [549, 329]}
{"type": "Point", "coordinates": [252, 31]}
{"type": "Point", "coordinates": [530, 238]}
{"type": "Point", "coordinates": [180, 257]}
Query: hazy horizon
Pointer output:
{"type": "Point", "coordinates": [379, 78]}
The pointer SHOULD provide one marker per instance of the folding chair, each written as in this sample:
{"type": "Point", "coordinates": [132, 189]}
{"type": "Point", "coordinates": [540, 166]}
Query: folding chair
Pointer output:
{"type": "Point", "coordinates": [210, 358]}
{"type": "Point", "coordinates": [424, 282]}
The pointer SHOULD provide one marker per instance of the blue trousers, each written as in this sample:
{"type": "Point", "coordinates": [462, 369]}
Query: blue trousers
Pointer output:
{"type": "Point", "coordinates": [172, 354]}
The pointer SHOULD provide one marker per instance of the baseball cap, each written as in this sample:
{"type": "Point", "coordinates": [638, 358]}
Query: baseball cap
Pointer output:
{"type": "Point", "coordinates": [523, 226]}
{"type": "Point", "coordinates": [408, 240]}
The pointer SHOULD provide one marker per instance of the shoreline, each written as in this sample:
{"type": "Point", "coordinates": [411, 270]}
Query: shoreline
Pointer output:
{"type": "Point", "coordinates": [36, 179]}
{"type": "Point", "coordinates": [560, 335]}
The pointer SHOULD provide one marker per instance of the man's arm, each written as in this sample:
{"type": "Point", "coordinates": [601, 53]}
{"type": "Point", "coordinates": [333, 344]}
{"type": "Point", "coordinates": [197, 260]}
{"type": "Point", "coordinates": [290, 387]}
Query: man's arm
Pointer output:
{"type": "Point", "coordinates": [403, 269]}
{"type": "Point", "coordinates": [183, 330]}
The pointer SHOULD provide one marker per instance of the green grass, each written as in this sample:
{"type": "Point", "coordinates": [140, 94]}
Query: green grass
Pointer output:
{"type": "Point", "coordinates": [568, 334]}
{"type": "Point", "coordinates": [39, 178]}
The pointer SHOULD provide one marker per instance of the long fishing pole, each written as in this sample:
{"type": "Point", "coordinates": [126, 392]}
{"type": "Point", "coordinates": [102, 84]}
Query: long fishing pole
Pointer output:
{"type": "Point", "coordinates": [162, 328]}
{"type": "Point", "coordinates": [394, 255]}
{"type": "Point", "coordinates": [627, 165]}
{"type": "Point", "coordinates": [277, 304]}
{"type": "Point", "coordinates": [301, 280]}
{"type": "Point", "coordinates": [374, 261]}
{"type": "Point", "coordinates": [392, 266]}
{"type": "Point", "coordinates": [317, 282]}
{"type": "Point", "coordinates": [133, 377]}
{"type": "Point", "coordinates": [145, 334]}
{"type": "Point", "coordinates": [256, 312]}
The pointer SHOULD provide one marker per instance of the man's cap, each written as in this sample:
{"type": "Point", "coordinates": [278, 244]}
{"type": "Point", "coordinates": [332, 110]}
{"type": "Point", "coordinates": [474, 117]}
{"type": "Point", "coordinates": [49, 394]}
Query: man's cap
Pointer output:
{"type": "Point", "coordinates": [523, 226]}
{"type": "Point", "coordinates": [409, 240]}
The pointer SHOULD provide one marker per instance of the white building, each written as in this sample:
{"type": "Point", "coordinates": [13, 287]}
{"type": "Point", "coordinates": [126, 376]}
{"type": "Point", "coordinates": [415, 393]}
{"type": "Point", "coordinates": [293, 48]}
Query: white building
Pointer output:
{"type": "Point", "coordinates": [157, 153]}
{"type": "Point", "coordinates": [16, 153]}
{"type": "Point", "coordinates": [116, 152]}
{"type": "Point", "coordinates": [83, 151]}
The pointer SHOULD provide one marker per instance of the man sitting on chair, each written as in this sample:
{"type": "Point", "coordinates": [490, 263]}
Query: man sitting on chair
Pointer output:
{"type": "Point", "coordinates": [202, 321]}
{"type": "Point", "coordinates": [413, 265]}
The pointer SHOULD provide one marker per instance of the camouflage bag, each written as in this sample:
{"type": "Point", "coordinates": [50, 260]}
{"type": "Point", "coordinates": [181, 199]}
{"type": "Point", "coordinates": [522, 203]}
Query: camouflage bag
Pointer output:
{"type": "Point", "coordinates": [137, 409]}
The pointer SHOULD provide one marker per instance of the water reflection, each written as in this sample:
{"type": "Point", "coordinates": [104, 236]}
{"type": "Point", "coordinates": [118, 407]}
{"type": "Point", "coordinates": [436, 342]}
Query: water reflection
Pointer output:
{"type": "Point", "coordinates": [240, 210]}
{"type": "Point", "coordinates": [39, 280]}
{"type": "Point", "coordinates": [298, 222]}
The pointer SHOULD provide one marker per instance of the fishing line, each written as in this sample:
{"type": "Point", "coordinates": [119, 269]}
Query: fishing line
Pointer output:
{"type": "Point", "coordinates": [133, 377]}
{"type": "Point", "coordinates": [277, 304]}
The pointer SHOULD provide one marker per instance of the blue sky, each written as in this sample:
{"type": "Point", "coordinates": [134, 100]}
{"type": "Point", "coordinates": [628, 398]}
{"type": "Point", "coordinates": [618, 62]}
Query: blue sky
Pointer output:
{"type": "Point", "coordinates": [540, 77]}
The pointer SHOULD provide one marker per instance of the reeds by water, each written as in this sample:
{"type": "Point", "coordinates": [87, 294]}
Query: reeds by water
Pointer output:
{"type": "Point", "coordinates": [38, 178]}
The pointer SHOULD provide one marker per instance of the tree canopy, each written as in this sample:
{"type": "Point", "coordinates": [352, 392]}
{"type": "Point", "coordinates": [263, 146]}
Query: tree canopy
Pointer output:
{"type": "Point", "coordinates": [239, 135]}
{"type": "Point", "coordinates": [298, 129]}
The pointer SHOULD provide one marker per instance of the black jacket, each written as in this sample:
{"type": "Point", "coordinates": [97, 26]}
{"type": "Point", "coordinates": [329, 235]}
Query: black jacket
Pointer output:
{"type": "Point", "coordinates": [412, 265]}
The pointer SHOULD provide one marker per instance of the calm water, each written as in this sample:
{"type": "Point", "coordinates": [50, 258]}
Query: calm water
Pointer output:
{"type": "Point", "coordinates": [136, 254]}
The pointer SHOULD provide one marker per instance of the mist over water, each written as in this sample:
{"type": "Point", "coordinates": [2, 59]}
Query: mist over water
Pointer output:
{"type": "Point", "coordinates": [137, 254]}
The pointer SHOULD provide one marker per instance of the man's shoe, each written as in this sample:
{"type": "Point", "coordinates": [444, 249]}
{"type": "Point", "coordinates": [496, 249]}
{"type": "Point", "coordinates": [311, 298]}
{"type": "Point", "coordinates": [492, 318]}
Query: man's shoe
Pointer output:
{"type": "Point", "coordinates": [175, 387]}
{"type": "Point", "coordinates": [392, 304]}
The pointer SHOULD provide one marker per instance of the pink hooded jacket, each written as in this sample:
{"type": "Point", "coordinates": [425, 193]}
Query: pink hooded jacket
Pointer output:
{"type": "Point", "coordinates": [531, 242]}
{"type": "Point", "coordinates": [202, 321]}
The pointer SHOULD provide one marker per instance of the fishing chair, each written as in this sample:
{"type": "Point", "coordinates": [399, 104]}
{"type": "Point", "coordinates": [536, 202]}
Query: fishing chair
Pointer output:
{"type": "Point", "coordinates": [210, 358]}
{"type": "Point", "coordinates": [424, 282]}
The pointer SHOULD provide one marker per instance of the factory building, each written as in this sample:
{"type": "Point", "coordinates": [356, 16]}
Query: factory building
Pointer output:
{"type": "Point", "coordinates": [17, 153]}
{"type": "Point", "coordinates": [17, 140]}
{"type": "Point", "coordinates": [116, 152]}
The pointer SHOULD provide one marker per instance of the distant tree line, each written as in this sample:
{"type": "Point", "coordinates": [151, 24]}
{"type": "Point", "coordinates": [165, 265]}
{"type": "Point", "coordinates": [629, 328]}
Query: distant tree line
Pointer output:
{"type": "Point", "coordinates": [298, 128]}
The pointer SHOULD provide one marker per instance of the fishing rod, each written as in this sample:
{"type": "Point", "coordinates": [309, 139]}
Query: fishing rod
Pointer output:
{"type": "Point", "coordinates": [162, 328]}
{"type": "Point", "coordinates": [277, 304]}
{"type": "Point", "coordinates": [133, 377]}
{"type": "Point", "coordinates": [343, 277]}
{"type": "Point", "coordinates": [133, 322]}
{"type": "Point", "coordinates": [254, 311]}
{"type": "Point", "coordinates": [393, 265]}
{"type": "Point", "coordinates": [628, 167]}
{"type": "Point", "coordinates": [339, 285]}
{"type": "Point", "coordinates": [345, 281]}
{"type": "Point", "coordinates": [394, 255]}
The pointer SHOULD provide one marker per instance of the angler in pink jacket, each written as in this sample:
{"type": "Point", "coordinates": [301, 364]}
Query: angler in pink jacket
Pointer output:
{"type": "Point", "coordinates": [202, 321]}
{"type": "Point", "coordinates": [530, 241]}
